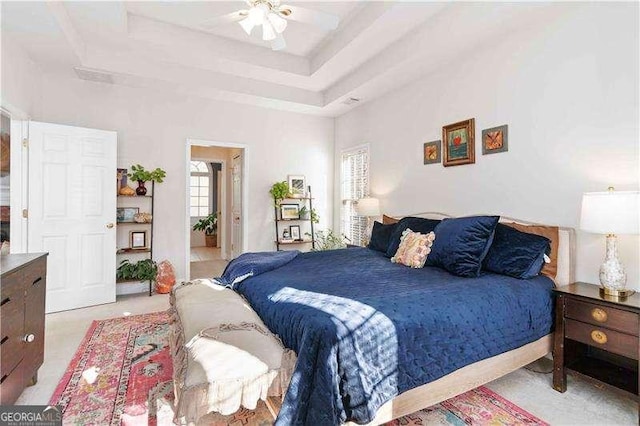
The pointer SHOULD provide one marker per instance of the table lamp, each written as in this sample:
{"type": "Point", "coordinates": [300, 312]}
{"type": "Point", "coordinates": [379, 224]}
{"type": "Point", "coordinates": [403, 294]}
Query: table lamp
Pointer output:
{"type": "Point", "coordinates": [368, 207]}
{"type": "Point", "coordinates": [611, 212]}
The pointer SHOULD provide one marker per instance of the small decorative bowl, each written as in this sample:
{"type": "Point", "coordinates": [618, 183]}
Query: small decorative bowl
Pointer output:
{"type": "Point", "coordinates": [142, 217]}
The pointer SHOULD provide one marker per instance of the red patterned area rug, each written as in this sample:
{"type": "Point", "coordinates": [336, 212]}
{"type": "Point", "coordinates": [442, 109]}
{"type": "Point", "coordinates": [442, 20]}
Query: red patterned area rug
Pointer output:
{"type": "Point", "coordinates": [121, 375]}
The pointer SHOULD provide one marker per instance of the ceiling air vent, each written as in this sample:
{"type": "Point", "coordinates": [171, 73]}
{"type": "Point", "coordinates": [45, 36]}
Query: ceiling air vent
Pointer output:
{"type": "Point", "coordinates": [93, 75]}
{"type": "Point", "coordinates": [351, 101]}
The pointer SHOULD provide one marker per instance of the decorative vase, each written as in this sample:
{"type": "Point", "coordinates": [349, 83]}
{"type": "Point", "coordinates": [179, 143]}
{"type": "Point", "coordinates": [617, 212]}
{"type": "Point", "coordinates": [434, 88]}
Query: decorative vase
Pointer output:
{"type": "Point", "coordinates": [141, 190]}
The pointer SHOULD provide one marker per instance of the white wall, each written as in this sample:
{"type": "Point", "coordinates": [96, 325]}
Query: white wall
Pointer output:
{"type": "Point", "coordinates": [569, 93]}
{"type": "Point", "coordinates": [153, 129]}
{"type": "Point", "coordinates": [20, 81]}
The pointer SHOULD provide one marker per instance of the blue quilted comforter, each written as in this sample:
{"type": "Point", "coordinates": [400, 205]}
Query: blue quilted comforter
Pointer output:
{"type": "Point", "coordinates": [366, 330]}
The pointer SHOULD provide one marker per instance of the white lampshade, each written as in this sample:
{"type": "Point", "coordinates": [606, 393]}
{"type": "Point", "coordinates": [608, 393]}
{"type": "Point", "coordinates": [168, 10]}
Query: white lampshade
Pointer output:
{"type": "Point", "coordinates": [611, 212]}
{"type": "Point", "coordinates": [368, 207]}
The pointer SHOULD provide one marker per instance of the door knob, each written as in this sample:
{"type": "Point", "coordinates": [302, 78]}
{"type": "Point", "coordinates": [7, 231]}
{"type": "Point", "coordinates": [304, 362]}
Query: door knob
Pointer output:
{"type": "Point", "coordinates": [109, 225]}
{"type": "Point", "coordinates": [29, 338]}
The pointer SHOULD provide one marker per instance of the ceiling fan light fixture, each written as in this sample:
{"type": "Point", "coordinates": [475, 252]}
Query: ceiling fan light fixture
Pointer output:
{"type": "Point", "coordinates": [258, 13]}
{"type": "Point", "coordinates": [279, 23]}
{"type": "Point", "coordinates": [247, 25]}
{"type": "Point", "coordinates": [268, 32]}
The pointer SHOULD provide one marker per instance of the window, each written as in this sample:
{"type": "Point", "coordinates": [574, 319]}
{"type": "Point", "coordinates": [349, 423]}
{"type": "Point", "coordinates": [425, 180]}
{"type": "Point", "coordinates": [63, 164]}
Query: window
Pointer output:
{"type": "Point", "coordinates": [354, 185]}
{"type": "Point", "coordinates": [200, 189]}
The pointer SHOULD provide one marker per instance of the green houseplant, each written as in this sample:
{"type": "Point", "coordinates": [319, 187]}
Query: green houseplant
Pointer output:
{"type": "Point", "coordinates": [329, 240]}
{"type": "Point", "coordinates": [144, 270]}
{"type": "Point", "coordinates": [306, 214]}
{"type": "Point", "coordinates": [279, 191]}
{"type": "Point", "coordinates": [141, 175]}
{"type": "Point", "coordinates": [209, 225]}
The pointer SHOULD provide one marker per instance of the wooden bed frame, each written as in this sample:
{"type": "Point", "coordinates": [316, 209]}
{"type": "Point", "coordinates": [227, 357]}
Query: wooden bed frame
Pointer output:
{"type": "Point", "coordinates": [481, 372]}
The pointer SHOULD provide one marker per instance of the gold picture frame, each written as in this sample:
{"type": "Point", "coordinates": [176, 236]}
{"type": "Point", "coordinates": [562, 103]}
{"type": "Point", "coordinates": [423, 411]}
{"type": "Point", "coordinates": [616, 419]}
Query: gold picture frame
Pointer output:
{"type": "Point", "coordinates": [458, 143]}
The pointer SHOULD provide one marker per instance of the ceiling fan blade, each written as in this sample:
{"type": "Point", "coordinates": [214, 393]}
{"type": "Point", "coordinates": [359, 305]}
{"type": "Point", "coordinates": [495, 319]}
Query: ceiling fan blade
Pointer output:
{"type": "Point", "coordinates": [323, 20]}
{"type": "Point", "coordinates": [225, 19]}
{"type": "Point", "coordinates": [278, 43]}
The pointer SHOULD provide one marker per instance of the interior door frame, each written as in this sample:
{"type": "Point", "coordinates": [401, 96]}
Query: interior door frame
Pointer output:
{"type": "Point", "coordinates": [223, 203]}
{"type": "Point", "coordinates": [245, 194]}
{"type": "Point", "coordinates": [18, 189]}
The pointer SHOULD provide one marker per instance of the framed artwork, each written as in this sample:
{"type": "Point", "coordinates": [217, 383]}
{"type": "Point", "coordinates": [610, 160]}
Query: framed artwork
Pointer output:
{"type": "Point", "coordinates": [138, 239]}
{"type": "Point", "coordinates": [459, 143]}
{"type": "Point", "coordinates": [294, 231]}
{"type": "Point", "coordinates": [121, 181]}
{"type": "Point", "coordinates": [495, 139]}
{"type": "Point", "coordinates": [297, 185]}
{"type": "Point", "coordinates": [432, 152]}
{"type": "Point", "coordinates": [289, 211]}
{"type": "Point", "coordinates": [126, 214]}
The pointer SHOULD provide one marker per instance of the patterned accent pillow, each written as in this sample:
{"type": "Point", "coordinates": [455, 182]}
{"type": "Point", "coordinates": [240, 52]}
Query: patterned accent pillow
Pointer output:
{"type": "Point", "coordinates": [414, 248]}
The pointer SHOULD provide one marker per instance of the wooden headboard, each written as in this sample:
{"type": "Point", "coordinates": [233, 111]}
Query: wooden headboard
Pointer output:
{"type": "Point", "coordinates": [566, 244]}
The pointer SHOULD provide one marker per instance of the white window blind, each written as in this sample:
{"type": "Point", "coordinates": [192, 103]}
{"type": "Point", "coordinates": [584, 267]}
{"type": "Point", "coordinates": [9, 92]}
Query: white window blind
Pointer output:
{"type": "Point", "coordinates": [354, 185]}
{"type": "Point", "coordinates": [200, 180]}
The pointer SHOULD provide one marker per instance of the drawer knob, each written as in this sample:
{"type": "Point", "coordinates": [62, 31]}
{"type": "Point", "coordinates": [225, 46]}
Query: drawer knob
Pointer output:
{"type": "Point", "coordinates": [599, 337]}
{"type": "Point", "coordinates": [29, 338]}
{"type": "Point", "coordinates": [599, 315]}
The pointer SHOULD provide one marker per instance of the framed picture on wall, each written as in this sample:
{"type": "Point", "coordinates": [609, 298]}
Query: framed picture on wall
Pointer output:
{"type": "Point", "coordinates": [294, 231]}
{"type": "Point", "coordinates": [432, 152]}
{"type": "Point", "coordinates": [126, 214]}
{"type": "Point", "coordinates": [459, 143]}
{"type": "Point", "coordinates": [138, 239]}
{"type": "Point", "coordinates": [289, 211]}
{"type": "Point", "coordinates": [297, 185]}
{"type": "Point", "coordinates": [495, 140]}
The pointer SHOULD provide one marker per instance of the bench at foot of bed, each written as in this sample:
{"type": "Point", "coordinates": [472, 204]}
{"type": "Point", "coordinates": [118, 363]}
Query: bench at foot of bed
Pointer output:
{"type": "Point", "coordinates": [224, 357]}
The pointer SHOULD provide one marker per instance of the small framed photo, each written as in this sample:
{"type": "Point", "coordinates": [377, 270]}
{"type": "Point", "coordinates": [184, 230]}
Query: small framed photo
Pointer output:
{"type": "Point", "coordinates": [458, 141]}
{"type": "Point", "coordinates": [138, 239]}
{"type": "Point", "coordinates": [289, 211]}
{"type": "Point", "coordinates": [432, 152]}
{"type": "Point", "coordinates": [121, 181]}
{"type": "Point", "coordinates": [294, 231]}
{"type": "Point", "coordinates": [297, 185]}
{"type": "Point", "coordinates": [495, 140]}
{"type": "Point", "coordinates": [126, 214]}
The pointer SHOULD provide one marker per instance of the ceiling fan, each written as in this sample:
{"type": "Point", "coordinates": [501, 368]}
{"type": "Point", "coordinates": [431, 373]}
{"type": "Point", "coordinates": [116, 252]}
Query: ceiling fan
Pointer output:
{"type": "Point", "coordinates": [273, 16]}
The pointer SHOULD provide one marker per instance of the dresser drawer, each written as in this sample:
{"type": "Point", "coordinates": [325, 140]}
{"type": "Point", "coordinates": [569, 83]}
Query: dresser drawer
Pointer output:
{"type": "Point", "coordinates": [601, 337]}
{"type": "Point", "coordinates": [12, 287]}
{"type": "Point", "coordinates": [11, 385]}
{"type": "Point", "coordinates": [35, 273]}
{"type": "Point", "coordinates": [11, 332]}
{"type": "Point", "coordinates": [603, 316]}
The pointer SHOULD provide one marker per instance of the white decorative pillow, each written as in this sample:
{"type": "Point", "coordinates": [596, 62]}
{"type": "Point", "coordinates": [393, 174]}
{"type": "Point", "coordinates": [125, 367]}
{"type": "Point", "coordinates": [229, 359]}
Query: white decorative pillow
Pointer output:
{"type": "Point", "coordinates": [414, 248]}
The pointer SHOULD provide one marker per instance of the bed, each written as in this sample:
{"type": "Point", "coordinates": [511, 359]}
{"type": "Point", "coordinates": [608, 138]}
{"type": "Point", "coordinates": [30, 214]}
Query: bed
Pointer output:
{"type": "Point", "coordinates": [376, 340]}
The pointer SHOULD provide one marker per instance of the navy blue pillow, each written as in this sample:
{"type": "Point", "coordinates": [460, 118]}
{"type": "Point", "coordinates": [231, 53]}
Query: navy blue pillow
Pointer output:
{"type": "Point", "coordinates": [462, 243]}
{"type": "Point", "coordinates": [380, 236]}
{"type": "Point", "coordinates": [515, 253]}
{"type": "Point", "coordinates": [417, 224]}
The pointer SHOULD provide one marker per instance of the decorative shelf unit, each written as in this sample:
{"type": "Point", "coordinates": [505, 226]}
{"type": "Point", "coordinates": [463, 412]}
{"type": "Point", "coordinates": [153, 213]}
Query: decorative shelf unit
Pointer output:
{"type": "Point", "coordinates": [123, 231]}
{"type": "Point", "coordinates": [306, 225]}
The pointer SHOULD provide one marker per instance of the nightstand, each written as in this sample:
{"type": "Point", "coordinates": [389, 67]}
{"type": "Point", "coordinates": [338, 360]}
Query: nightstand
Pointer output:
{"type": "Point", "coordinates": [596, 338]}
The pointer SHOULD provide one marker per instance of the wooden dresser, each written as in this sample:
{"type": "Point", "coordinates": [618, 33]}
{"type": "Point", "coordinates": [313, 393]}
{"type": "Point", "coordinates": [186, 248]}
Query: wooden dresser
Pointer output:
{"type": "Point", "coordinates": [22, 297]}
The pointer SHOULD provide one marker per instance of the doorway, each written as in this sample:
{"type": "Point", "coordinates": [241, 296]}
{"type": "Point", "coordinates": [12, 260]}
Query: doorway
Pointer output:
{"type": "Point", "coordinates": [214, 206]}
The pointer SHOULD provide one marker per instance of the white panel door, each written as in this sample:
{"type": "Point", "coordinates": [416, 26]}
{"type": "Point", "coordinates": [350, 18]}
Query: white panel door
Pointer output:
{"type": "Point", "coordinates": [72, 212]}
{"type": "Point", "coordinates": [236, 206]}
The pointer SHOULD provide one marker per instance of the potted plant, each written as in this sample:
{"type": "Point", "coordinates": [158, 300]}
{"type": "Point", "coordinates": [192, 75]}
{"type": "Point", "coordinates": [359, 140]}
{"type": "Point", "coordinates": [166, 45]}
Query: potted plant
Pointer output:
{"type": "Point", "coordinates": [279, 191]}
{"type": "Point", "coordinates": [138, 173]}
{"type": "Point", "coordinates": [312, 214]}
{"type": "Point", "coordinates": [209, 225]}
{"type": "Point", "coordinates": [328, 240]}
{"type": "Point", "coordinates": [144, 270]}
